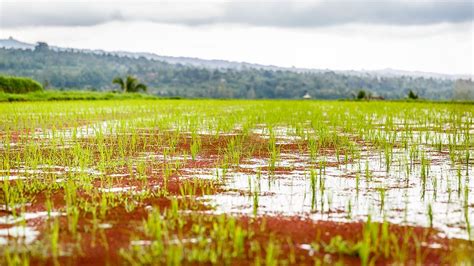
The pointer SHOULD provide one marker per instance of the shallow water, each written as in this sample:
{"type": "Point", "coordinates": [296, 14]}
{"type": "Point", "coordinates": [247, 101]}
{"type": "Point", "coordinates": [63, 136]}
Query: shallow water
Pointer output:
{"type": "Point", "coordinates": [342, 191]}
{"type": "Point", "coordinates": [399, 194]}
{"type": "Point", "coordinates": [18, 229]}
{"type": "Point", "coordinates": [23, 234]}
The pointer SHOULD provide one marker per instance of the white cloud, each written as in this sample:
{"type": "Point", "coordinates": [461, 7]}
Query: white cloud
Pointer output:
{"type": "Point", "coordinates": [425, 35]}
{"type": "Point", "coordinates": [274, 13]}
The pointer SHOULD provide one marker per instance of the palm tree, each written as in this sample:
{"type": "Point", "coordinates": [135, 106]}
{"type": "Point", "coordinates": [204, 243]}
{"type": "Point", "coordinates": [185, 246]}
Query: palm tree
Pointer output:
{"type": "Point", "coordinates": [130, 84]}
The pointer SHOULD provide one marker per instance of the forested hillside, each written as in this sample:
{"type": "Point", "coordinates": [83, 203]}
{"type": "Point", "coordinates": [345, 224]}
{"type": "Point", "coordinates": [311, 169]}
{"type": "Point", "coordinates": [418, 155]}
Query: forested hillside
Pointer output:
{"type": "Point", "coordinates": [78, 70]}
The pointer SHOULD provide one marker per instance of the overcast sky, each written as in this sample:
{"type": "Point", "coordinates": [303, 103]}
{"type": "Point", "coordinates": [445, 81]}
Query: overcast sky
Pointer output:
{"type": "Point", "coordinates": [434, 36]}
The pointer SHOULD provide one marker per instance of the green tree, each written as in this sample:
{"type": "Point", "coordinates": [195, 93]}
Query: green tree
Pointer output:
{"type": "Point", "coordinates": [412, 95]}
{"type": "Point", "coordinates": [129, 84]}
{"type": "Point", "coordinates": [361, 95]}
{"type": "Point", "coordinates": [463, 90]}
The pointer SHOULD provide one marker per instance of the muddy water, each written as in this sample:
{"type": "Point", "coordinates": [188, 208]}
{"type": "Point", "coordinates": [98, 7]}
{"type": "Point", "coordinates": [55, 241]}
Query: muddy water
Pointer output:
{"type": "Point", "coordinates": [352, 191]}
{"type": "Point", "coordinates": [340, 192]}
{"type": "Point", "coordinates": [17, 228]}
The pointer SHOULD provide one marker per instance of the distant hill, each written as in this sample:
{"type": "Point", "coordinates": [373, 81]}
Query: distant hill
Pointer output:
{"type": "Point", "coordinates": [68, 68]}
{"type": "Point", "coordinates": [12, 43]}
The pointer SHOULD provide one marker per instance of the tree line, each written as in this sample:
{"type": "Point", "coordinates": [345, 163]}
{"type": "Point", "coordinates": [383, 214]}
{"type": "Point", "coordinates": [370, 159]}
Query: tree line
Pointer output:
{"type": "Point", "coordinates": [78, 70]}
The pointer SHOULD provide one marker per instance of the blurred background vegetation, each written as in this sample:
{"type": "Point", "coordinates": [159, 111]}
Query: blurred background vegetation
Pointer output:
{"type": "Point", "coordinates": [74, 70]}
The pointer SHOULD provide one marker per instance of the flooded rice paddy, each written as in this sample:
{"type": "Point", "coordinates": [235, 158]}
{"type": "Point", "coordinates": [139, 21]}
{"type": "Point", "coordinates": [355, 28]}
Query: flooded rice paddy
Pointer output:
{"type": "Point", "coordinates": [236, 182]}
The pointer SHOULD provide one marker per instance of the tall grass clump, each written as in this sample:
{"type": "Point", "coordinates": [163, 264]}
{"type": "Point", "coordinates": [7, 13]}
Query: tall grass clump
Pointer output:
{"type": "Point", "coordinates": [10, 84]}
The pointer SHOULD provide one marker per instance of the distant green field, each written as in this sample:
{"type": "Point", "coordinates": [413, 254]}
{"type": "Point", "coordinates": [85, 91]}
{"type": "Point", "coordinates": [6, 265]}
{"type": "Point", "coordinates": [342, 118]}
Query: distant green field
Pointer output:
{"type": "Point", "coordinates": [236, 182]}
{"type": "Point", "coordinates": [70, 96]}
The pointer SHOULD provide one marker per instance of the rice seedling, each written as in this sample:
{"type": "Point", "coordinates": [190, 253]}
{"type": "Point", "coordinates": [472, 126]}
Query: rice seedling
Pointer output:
{"type": "Point", "coordinates": [223, 182]}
